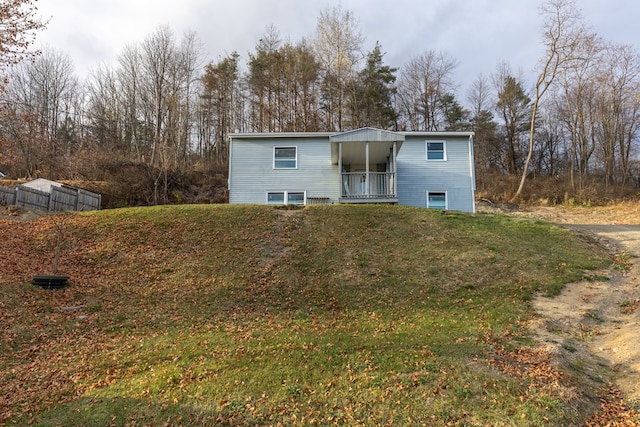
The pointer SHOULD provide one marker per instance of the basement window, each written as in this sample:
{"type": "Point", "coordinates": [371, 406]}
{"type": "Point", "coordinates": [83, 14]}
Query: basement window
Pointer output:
{"type": "Point", "coordinates": [286, 198]}
{"type": "Point", "coordinates": [437, 200]}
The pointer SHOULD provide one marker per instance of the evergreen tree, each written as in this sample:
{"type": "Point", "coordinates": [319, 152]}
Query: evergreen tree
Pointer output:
{"type": "Point", "coordinates": [487, 146]}
{"type": "Point", "coordinates": [514, 107]}
{"type": "Point", "coordinates": [454, 116]}
{"type": "Point", "coordinates": [371, 102]}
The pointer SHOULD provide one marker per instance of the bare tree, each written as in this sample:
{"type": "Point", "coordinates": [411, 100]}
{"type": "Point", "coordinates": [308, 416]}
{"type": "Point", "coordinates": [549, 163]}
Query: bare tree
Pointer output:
{"type": "Point", "coordinates": [165, 81]}
{"type": "Point", "coordinates": [338, 47]}
{"type": "Point", "coordinates": [618, 110]}
{"type": "Point", "coordinates": [487, 149]}
{"type": "Point", "coordinates": [157, 56]}
{"type": "Point", "coordinates": [43, 94]}
{"type": "Point", "coordinates": [104, 115]}
{"type": "Point", "coordinates": [282, 85]}
{"type": "Point", "coordinates": [479, 95]}
{"type": "Point", "coordinates": [563, 31]}
{"type": "Point", "coordinates": [18, 25]}
{"type": "Point", "coordinates": [184, 73]}
{"type": "Point", "coordinates": [575, 107]}
{"type": "Point", "coordinates": [549, 158]}
{"type": "Point", "coordinates": [218, 101]}
{"type": "Point", "coordinates": [423, 83]}
{"type": "Point", "coordinates": [128, 75]}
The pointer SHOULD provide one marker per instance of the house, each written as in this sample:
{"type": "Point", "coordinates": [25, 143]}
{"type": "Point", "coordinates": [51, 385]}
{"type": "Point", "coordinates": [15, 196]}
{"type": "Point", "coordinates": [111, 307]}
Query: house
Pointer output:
{"type": "Point", "coordinates": [422, 169]}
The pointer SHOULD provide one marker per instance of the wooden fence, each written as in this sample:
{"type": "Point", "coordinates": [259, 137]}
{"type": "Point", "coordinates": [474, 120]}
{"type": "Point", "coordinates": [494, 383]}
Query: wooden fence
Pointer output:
{"type": "Point", "coordinates": [62, 198]}
{"type": "Point", "coordinates": [7, 196]}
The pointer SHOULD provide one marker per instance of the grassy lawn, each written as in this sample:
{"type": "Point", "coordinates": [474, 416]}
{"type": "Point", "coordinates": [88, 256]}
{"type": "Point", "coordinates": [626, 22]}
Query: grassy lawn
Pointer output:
{"type": "Point", "coordinates": [246, 315]}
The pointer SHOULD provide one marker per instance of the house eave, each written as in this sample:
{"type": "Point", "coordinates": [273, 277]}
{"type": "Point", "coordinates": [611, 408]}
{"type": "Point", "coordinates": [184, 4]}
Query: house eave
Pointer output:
{"type": "Point", "coordinates": [367, 135]}
{"type": "Point", "coordinates": [272, 135]}
{"type": "Point", "coordinates": [267, 135]}
{"type": "Point", "coordinates": [438, 134]}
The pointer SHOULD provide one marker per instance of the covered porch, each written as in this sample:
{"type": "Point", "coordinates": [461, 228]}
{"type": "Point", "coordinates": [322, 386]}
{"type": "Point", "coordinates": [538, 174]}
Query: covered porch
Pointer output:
{"type": "Point", "coordinates": [366, 159]}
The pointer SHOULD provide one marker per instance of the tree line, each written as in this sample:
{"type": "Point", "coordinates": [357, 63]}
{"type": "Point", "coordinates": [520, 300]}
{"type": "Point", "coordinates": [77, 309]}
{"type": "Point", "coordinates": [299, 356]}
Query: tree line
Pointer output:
{"type": "Point", "coordinates": [161, 109]}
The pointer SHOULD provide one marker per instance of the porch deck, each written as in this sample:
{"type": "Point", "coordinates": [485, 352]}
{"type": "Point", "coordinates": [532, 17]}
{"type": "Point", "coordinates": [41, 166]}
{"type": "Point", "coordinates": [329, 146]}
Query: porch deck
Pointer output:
{"type": "Point", "coordinates": [368, 199]}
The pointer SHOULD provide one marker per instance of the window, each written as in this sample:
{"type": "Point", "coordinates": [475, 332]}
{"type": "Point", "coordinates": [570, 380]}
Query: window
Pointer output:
{"type": "Point", "coordinates": [437, 200]}
{"type": "Point", "coordinates": [436, 150]}
{"type": "Point", "coordinates": [285, 157]}
{"type": "Point", "coordinates": [295, 198]}
{"type": "Point", "coordinates": [286, 198]}
{"type": "Point", "coordinates": [275, 198]}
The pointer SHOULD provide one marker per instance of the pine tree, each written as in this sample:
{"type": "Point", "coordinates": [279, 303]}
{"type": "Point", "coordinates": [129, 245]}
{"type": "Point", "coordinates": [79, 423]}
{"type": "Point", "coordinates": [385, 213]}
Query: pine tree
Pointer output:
{"type": "Point", "coordinates": [371, 102]}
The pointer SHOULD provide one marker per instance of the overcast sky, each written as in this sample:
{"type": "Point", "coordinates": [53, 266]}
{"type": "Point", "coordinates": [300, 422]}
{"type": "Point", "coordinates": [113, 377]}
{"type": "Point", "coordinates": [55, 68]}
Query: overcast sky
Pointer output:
{"type": "Point", "coordinates": [478, 33]}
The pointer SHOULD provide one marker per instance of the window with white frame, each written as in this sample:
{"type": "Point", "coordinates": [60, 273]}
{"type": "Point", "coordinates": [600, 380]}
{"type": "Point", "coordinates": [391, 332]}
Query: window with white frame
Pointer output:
{"type": "Point", "coordinates": [275, 198]}
{"type": "Point", "coordinates": [286, 198]}
{"type": "Point", "coordinates": [295, 198]}
{"type": "Point", "coordinates": [437, 200]}
{"type": "Point", "coordinates": [285, 157]}
{"type": "Point", "coordinates": [436, 150]}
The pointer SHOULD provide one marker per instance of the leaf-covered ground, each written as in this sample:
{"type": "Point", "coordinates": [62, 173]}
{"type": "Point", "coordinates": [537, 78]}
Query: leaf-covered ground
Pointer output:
{"type": "Point", "coordinates": [241, 315]}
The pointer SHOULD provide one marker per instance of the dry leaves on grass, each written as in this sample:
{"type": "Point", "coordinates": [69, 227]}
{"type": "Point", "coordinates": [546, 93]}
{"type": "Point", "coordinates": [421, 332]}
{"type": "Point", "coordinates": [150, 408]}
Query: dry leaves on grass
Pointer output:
{"type": "Point", "coordinates": [42, 347]}
{"type": "Point", "coordinates": [536, 366]}
{"type": "Point", "coordinates": [614, 412]}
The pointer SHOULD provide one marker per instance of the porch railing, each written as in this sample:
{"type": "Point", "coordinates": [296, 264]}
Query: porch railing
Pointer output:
{"type": "Point", "coordinates": [354, 185]}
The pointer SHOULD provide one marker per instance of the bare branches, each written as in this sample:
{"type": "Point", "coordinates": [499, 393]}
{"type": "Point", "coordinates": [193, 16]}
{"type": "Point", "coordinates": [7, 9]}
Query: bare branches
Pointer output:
{"type": "Point", "coordinates": [338, 48]}
{"type": "Point", "coordinates": [423, 82]}
{"type": "Point", "coordinates": [18, 25]}
{"type": "Point", "coordinates": [562, 35]}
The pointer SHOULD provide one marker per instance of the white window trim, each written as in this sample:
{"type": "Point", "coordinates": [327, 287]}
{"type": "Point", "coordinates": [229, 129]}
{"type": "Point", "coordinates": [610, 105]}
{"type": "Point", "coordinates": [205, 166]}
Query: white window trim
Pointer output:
{"type": "Point", "coordinates": [444, 148]}
{"type": "Point", "coordinates": [274, 156]}
{"type": "Point", "coordinates": [286, 196]}
{"type": "Point", "coordinates": [446, 198]}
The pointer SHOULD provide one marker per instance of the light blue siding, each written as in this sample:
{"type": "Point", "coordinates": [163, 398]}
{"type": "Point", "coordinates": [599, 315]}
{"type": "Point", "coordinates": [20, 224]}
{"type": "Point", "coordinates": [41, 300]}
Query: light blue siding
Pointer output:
{"type": "Point", "coordinates": [251, 172]}
{"type": "Point", "coordinates": [417, 175]}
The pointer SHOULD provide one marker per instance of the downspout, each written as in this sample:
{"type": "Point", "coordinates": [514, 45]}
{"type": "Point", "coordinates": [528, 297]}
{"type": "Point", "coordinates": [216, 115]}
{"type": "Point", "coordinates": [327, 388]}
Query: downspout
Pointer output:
{"type": "Point", "coordinates": [230, 163]}
{"type": "Point", "coordinates": [472, 174]}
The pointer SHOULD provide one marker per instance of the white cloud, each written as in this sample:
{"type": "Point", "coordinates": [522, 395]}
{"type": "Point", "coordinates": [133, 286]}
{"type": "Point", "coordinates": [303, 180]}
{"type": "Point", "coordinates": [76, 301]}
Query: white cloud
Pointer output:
{"type": "Point", "coordinates": [478, 33]}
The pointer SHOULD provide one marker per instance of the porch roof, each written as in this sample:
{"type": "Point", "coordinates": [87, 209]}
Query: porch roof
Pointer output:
{"type": "Point", "coordinates": [381, 144]}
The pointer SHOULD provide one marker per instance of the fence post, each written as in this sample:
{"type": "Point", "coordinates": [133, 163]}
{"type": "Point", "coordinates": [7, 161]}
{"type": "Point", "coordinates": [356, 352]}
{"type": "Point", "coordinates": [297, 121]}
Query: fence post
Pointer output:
{"type": "Point", "coordinates": [18, 194]}
{"type": "Point", "coordinates": [52, 199]}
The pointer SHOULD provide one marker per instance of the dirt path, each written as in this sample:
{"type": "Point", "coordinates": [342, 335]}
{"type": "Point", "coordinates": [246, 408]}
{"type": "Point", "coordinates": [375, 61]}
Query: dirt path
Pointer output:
{"type": "Point", "coordinates": [600, 316]}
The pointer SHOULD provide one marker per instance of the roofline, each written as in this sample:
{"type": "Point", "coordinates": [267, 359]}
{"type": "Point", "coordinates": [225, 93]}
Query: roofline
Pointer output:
{"type": "Point", "coordinates": [282, 134]}
{"type": "Point", "coordinates": [443, 133]}
{"type": "Point", "coordinates": [261, 135]}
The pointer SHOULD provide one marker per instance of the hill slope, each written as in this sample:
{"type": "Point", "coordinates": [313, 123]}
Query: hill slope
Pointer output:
{"type": "Point", "coordinates": [252, 315]}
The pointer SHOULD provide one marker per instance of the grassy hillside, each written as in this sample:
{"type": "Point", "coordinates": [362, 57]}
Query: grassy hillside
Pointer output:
{"type": "Point", "coordinates": [240, 315]}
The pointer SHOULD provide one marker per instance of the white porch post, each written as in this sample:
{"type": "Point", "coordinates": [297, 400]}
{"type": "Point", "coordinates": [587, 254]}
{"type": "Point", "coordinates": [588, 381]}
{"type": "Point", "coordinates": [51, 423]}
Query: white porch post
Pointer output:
{"type": "Point", "coordinates": [366, 179]}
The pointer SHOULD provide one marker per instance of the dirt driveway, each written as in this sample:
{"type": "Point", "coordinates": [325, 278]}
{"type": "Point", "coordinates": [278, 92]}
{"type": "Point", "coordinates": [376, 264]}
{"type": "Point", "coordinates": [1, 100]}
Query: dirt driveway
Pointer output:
{"type": "Point", "coordinates": [598, 317]}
